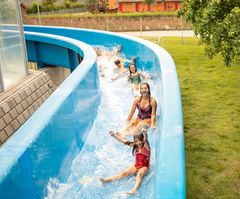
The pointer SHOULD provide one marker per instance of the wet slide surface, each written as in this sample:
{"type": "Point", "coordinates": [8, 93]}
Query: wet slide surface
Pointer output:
{"type": "Point", "coordinates": [102, 155]}
{"type": "Point", "coordinates": [64, 147]}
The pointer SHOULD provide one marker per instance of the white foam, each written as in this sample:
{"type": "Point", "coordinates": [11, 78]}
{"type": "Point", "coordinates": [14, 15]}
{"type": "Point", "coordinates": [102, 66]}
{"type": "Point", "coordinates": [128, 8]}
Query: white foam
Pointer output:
{"type": "Point", "coordinates": [102, 156]}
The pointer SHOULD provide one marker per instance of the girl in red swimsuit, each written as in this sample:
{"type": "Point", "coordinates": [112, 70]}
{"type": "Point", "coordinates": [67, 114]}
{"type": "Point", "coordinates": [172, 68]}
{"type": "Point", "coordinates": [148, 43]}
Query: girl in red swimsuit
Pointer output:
{"type": "Point", "coordinates": [147, 107]}
{"type": "Point", "coordinates": [141, 149]}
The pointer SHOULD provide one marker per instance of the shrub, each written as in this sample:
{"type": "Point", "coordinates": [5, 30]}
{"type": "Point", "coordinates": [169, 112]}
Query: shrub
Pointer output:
{"type": "Point", "coordinates": [33, 8]}
{"type": "Point", "coordinates": [70, 5]}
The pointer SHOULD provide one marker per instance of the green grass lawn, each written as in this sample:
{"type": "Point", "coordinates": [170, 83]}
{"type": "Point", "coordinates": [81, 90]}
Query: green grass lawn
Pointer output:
{"type": "Point", "coordinates": [211, 107]}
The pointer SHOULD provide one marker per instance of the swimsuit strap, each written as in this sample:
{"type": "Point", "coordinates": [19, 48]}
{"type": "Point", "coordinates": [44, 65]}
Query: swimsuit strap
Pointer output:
{"type": "Point", "coordinates": [139, 103]}
{"type": "Point", "coordinates": [134, 76]}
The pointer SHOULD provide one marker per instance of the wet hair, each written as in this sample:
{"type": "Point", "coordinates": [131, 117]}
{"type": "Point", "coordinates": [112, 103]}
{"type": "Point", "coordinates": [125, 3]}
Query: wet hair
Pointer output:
{"type": "Point", "coordinates": [149, 91]}
{"type": "Point", "coordinates": [116, 62]}
{"type": "Point", "coordinates": [130, 66]}
{"type": "Point", "coordinates": [139, 136]}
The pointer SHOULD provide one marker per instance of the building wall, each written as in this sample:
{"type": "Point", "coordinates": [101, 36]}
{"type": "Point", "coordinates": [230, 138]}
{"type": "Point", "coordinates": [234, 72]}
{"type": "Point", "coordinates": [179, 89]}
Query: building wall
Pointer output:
{"type": "Point", "coordinates": [142, 7]}
{"type": "Point", "coordinates": [157, 7]}
{"type": "Point", "coordinates": [112, 4]}
{"type": "Point", "coordinates": [116, 24]}
{"type": "Point", "coordinates": [128, 7]}
{"type": "Point", "coordinates": [57, 74]}
{"type": "Point", "coordinates": [171, 6]}
{"type": "Point", "coordinates": [20, 101]}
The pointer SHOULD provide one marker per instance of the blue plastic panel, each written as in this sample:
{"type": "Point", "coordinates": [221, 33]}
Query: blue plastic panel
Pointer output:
{"type": "Point", "coordinates": [170, 164]}
{"type": "Point", "coordinates": [51, 52]}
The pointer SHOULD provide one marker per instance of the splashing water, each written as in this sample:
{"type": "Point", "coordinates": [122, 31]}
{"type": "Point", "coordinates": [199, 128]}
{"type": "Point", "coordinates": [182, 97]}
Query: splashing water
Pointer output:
{"type": "Point", "coordinates": [102, 155]}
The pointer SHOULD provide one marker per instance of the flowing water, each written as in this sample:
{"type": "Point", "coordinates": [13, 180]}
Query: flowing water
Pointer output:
{"type": "Point", "coordinates": [102, 155]}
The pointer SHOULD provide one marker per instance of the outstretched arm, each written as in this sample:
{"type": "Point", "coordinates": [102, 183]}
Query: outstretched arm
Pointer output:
{"type": "Point", "coordinates": [117, 137]}
{"type": "Point", "coordinates": [144, 76]}
{"type": "Point", "coordinates": [128, 78]}
{"type": "Point", "coordinates": [122, 72]}
{"type": "Point", "coordinates": [117, 50]}
{"type": "Point", "coordinates": [120, 138]}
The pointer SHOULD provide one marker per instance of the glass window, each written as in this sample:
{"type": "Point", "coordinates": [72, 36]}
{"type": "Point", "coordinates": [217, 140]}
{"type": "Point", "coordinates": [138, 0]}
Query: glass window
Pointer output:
{"type": "Point", "coordinates": [12, 49]}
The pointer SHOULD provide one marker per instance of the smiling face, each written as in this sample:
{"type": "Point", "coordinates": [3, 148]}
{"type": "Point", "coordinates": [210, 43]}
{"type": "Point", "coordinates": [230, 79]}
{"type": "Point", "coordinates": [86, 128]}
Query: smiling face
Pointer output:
{"type": "Point", "coordinates": [138, 142]}
{"type": "Point", "coordinates": [144, 89]}
{"type": "Point", "coordinates": [132, 68]}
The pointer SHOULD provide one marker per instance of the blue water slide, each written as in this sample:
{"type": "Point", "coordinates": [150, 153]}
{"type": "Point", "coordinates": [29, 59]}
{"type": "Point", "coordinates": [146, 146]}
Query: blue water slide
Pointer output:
{"type": "Point", "coordinates": [49, 50]}
{"type": "Point", "coordinates": [46, 144]}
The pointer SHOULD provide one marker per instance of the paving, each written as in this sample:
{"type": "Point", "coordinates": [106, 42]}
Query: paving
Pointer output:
{"type": "Point", "coordinates": [165, 33]}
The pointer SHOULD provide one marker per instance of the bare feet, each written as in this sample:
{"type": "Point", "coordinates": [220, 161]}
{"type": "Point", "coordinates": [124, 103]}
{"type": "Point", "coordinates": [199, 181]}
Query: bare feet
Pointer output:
{"type": "Point", "coordinates": [133, 60]}
{"type": "Point", "coordinates": [119, 48]}
{"type": "Point", "coordinates": [132, 191]}
{"type": "Point", "coordinates": [111, 133]}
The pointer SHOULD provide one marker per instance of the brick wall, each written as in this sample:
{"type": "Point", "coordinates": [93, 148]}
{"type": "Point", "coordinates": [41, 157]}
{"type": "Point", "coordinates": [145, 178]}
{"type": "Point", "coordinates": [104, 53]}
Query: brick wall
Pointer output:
{"type": "Point", "coordinates": [21, 100]}
{"type": "Point", "coordinates": [116, 24]}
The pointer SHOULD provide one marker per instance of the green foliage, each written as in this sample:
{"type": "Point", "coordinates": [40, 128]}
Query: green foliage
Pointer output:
{"type": "Point", "coordinates": [72, 1]}
{"type": "Point", "coordinates": [210, 98]}
{"type": "Point", "coordinates": [149, 2]}
{"type": "Point", "coordinates": [48, 2]}
{"type": "Point", "coordinates": [48, 6]}
{"type": "Point", "coordinates": [92, 1]}
{"type": "Point", "coordinates": [32, 9]}
{"type": "Point", "coordinates": [70, 4]}
{"type": "Point", "coordinates": [217, 23]}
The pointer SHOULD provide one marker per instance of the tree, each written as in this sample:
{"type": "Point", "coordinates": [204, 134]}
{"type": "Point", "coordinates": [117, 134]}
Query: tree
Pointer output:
{"type": "Point", "coordinates": [149, 2]}
{"type": "Point", "coordinates": [217, 23]}
{"type": "Point", "coordinates": [72, 1]}
{"type": "Point", "coordinates": [48, 2]}
{"type": "Point", "coordinates": [92, 1]}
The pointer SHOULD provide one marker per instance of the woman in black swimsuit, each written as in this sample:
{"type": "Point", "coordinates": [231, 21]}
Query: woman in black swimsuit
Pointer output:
{"type": "Point", "coordinates": [147, 107]}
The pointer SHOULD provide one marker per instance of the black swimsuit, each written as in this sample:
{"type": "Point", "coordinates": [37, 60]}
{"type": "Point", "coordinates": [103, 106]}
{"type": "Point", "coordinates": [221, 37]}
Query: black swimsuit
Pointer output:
{"type": "Point", "coordinates": [144, 113]}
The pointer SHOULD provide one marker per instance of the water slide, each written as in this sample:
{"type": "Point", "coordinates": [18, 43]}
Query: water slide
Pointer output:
{"type": "Point", "coordinates": [63, 149]}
